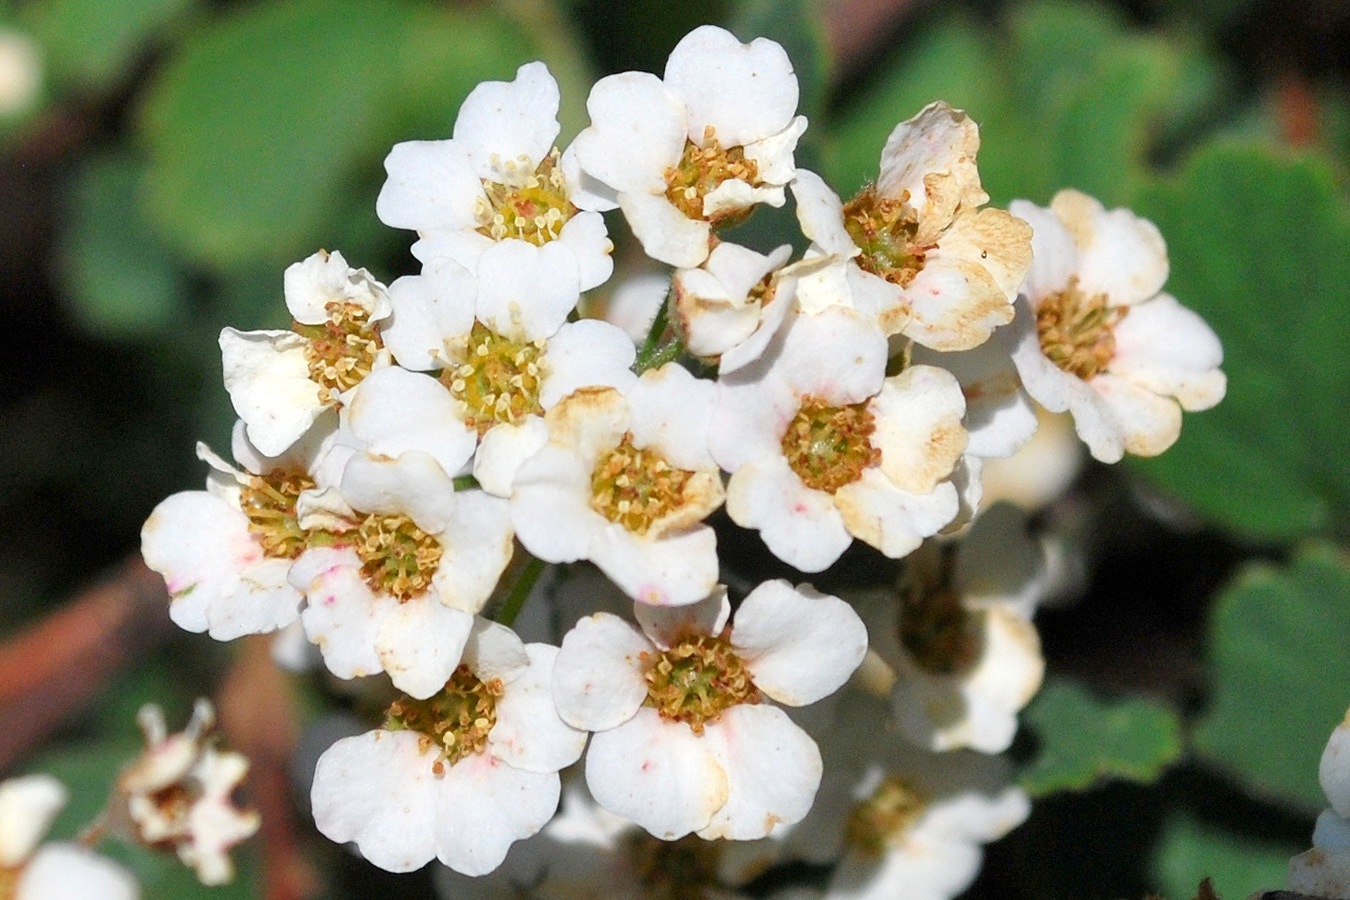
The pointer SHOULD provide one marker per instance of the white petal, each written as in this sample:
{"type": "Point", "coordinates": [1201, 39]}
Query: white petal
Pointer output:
{"type": "Point", "coordinates": [1120, 254]}
{"type": "Point", "coordinates": [477, 546]}
{"type": "Point", "coordinates": [1054, 256]}
{"type": "Point", "coordinates": [524, 291]}
{"type": "Point", "coordinates": [893, 520]}
{"type": "Point", "coordinates": [431, 187]}
{"type": "Point", "coordinates": [74, 872]}
{"type": "Point", "coordinates": [588, 239]}
{"type": "Point", "coordinates": [801, 526]}
{"type": "Point", "coordinates": [552, 488]}
{"type": "Point", "coordinates": [502, 450]}
{"type": "Point", "coordinates": [1118, 415]}
{"type": "Point", "coordinates": [918, 427]}
{"type": "Point", "coordinates": [999, 416]}
{"type": "Point", "coordinates": [1333, 769]}
{"type": "Point", "coordinates": [495, 651]}
{"type": "Point", "coordinates": [509, 120]}
{"type": "Point", "coordinates": [598, 680]}
{"type": "Point", "coordinates": [812, 361]}
{"type": "Point", "coordinates": [820, 213]}
{"type": "Point", "coordinates": [429, 308]}
{"type": "Point", "coordinates": [671, 570]}
{"type": "Point", "coordinates": [267, 377]}
{"type": "Point", "coordinates": [667, 625]}
{"type": "Point", "coordinates": [529, 734]}
{"type": "Point", "coordinates": [28, 806]}
{"type": "Point", "coordinates": [667, 235]}
{"type": "Point", "coordinates": [637, 131]}
{"type": "Point", "coordinates": [343, 617]}
{"type": "Point", "coordinates": [420, 644]}
{"type": "Point", "coordinates": [799, 644]}
{"type": "Point", "coordinates": [1168, 349]}
{"type": "Point", "coordinates": [938, 139]}
{"type": "Point", "coordinates": [588, 353]}
{"type": "Point", "coordinates": [671, 413]}
{"type": "Point", "coordinates": [484, 806]}
{"type": "Point", "coordinates": [393, 411]}
{"type": "Point", "coordinates": [414, 484]}
{"type": "Point", "coordinates": [745, 91]}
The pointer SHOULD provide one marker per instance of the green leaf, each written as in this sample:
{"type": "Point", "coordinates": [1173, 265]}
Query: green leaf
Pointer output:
{"type": "Point", "coordinates": [1280, 676]}
{"type": "Point", "coordinates": [271, 117]}
{"type": "Point", "coordinates": [1239, 865]}
{"type": "Point", "coordinates": [94, 42]}
{"type": "Point", "coordinates": [1084, 739]}
{"type": "Point", "coordinates": [1257, 243]}
{"type": "Point", "coordinates": [121, 278]}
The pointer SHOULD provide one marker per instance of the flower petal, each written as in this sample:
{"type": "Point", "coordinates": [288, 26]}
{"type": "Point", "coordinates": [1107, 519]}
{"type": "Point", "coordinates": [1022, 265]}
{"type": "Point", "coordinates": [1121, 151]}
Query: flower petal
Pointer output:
{"type": "Point", "coordinates": [799, 644]}
{"type": "Point", "coordinates": [529, 735]}
{"type": "Point", "coordinates": [746, 92]}
{"type": "Point", "coordinates": [483, 806]}
{"type": "Point", "coordinates": [598, 680]}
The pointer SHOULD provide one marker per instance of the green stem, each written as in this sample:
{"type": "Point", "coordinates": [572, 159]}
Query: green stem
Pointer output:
{"type": "Point", "coordinates": [520, 590]}
{"type": "Point", "coordinates": [651, 346]}
{"type": "Point", "coordinates": [464, 483]}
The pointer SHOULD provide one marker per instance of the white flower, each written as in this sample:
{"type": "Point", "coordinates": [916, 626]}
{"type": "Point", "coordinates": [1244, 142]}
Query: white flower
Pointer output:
{"type": "Point", "coordinates": [53, 871]}
{"type": "Point", "coordinates": [177, 794]}
{"type": "Point", "coordinates": [927, 262]}
{"type": "Point", "coordinates": [959, 637]}
{"type": "Point", "coordinates": [459, 775]}
{"type": "Point", "coordinates": [280, 382]}
{"type": "Point", "coordinates": [1324, 871]}
{"type": "Point", "coordinates": [735, 299]}
{"type": "Point", "coordinates": [397, 591]}
{"type": "Point", "coordinates": [225, 552]}
{"type": "Point", "coordinates": [499, 181]}
{"type": "Point", "coordinates": [823, 447]}
{"type": "Point", "coordinates": [1098, 338]}
{"type": "Point", "coordinates": [626, 481]}
{"type": "Point", "coordinates": [505, 351]}
{"type": "Point", "coordinates": [684, 741]}
{"type": "Point", "coordinates": [695, 150]}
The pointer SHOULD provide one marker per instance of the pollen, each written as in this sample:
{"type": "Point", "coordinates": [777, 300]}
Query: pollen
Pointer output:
{"type": "Point", "coordinates": [269, 503]}
{"type": "Point", "coordinates": [397, 557]}
{"type": "Point", "coordinates": [886, 229]}
{"type": "Point", "coordinates": [884, 818]}
{"type": "Point", "coordinates": [498, 379]}
{"type": "Point", "coordinates": [701, 170]}
{"type": "Point", "coordinates": [1077, 332]}
{"type": "Point", "coordinates": [455, 721]}
{"type": "Point", "coordinates": [342, 349]}
{"type": "Point", "coordinates": [535, 209]}
{"type": "Point", "coordinates": [830, 446]}
{"type": "Point", "coordinates": [636, 488]}
{"type": "Point", "coordinates": [697, 679]}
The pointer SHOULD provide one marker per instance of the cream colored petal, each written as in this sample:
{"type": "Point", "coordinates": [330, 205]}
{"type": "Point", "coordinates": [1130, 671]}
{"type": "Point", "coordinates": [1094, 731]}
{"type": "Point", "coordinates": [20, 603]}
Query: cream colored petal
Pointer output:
{"type": "Point", "coordinates": [918, 427]}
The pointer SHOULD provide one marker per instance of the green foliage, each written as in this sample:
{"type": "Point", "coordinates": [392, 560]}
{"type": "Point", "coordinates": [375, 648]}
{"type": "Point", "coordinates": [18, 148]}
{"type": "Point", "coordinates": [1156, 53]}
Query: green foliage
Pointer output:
{"type": "Point", "coordinates": [92, 43]}
{"type": "Point", "coordinates": [1257, 242]}
{"type": "Point", "coordinates": [1280, 676]}
{"type": "Point", "coordinates": [1239, 865]}
{"type": "Point", "coordinates": [1084, 739]}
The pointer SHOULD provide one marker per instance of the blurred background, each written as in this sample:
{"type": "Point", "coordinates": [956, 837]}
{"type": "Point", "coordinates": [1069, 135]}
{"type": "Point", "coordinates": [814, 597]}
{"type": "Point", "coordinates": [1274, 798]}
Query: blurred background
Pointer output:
{"type": "Point", "coordinates": [162, 162]}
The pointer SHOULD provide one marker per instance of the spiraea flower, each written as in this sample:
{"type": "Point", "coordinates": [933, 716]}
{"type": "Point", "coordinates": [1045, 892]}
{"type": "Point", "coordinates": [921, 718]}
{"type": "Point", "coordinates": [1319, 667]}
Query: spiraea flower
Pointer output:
{"type": "Point", "coordinates": [1097, 336]}
{"type": "Point", "coordinates": [225, 552]}
{"type": "Point", "coordinates": [1324, 870]}
{"type": "Point", "coordinates": [731, 307]}
{"type": "Point", "coordinates": [823, 447]}
{"type": "Point", "coordinates": [177, 795]}
{"type": "Point", "coordinates": [280, 382]}
{"type": "Point", "coordinates": [958, 635]}
{"type": "Point", "coordinates": [928, 262]}
{"type": "Point", "coordinates": [52, 871]}
{"type": "Point", "coordinates": [499, 183]}
{"type": "Point", "coordinates": [626, 481]}
{"type": "Point", "coordinates": [458, 775]}
{"type": "Point", "coordinates": [697, 149]}
{"type": "Point", "coordinates": [397, 590]}
{"type": "Point", "coordinates": [503, 350]}
{"type": "Point", "coordinates": [685, 740]}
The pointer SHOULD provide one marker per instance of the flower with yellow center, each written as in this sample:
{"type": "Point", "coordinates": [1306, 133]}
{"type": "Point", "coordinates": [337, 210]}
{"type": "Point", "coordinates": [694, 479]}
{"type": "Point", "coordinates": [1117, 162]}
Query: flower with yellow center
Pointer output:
{"type": "Point", "coordinates": [685, 738]}
{"type": "Point", "coordinates": [1097, 336]}
{"type": "Point", "coordinates": [823, 447]}
{"type": "Point", "coordinates": [625, 480]}
{"type": "Point", "coordinates": [459, 775]}
{"type": "Point", "coordinates": [733, 304]}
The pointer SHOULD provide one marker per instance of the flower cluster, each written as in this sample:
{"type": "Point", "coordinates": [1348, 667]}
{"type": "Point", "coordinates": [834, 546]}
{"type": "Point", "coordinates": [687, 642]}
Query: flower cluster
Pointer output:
{"type": "Point", "coordinates": [409, 458]}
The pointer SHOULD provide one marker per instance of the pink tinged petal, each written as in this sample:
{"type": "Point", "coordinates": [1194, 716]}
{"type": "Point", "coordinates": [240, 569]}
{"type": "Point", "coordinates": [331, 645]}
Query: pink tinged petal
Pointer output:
{"type": "Point", "coordinates": [598, 676]}
{"type": "Point", "coordinates": [588, 239]}
{"type": "Point", "coordinates": [414, 484]}
{"type": "Point", "coordinates": [529, 735]}
{"type": "Point", "coordinates": [509, 120]}
{"type": "Point", "coordinates": [420, 643]}
{"type": "Point", "coordinates": [744, 91]}
{"type": "Point", "coordinates": [524, 291]}
{"type": "Point", "coordinates": [588, 353]}
{"type": "Point", "coordinates": [667, 235]}
{"type": "Point", "coordinates": [820, 213]}
{"type": "Point", "coordinates": [1054, 255]}
{"type": "Point", "coordinates": [62, 871]}
{"type": "Point", "coordinates": [799, 644]}
{"type": "Point", "coordinates": [894, 521]}
{"type": "Point", "coordinates": [431, 187]}
{"type": "Point", "coordinates": [483, 806]}
{"type": "Point", "coordinates": [799, 525]}
{"type": "Point", "coordinates": [937, 140]}
{"type": "Point", "coordinates": [772, 769]}
{"type": "Point", "coordinates": [918, 427]}
{"type": "Point", "coordinates": [343, 617]}
{"type": "Point", "coordinates": [550, 506]}
{"type": "Point", "coordinates": [477, 544]}
{"type": "Point", "coordinates": [671, 412]}
{"type": "Point", "coordinates": [267, 377]}
{"type": "Point", "coordinates": [28, 806]}
{"type": "Point", "coordinates": [999, 415]}
{"type": "Point", "coordinates": [263, 602]}
{"type": "Point", "coordinates": [429, 308]}
{"type": "Point", "coordinates": [378, 790]}
{"type": "Point", "coordinates": [393, 411]}
{"type": "Point", "coordinates": [637, 131]}
{"type": "Point", "coordinates": [1168, 349]}
{"type": "Point", "coordinates": [502, 451]}
{"type": "Point", "coordinates": [658, 774]}
{"type": "Point", "coordinates": [671, 570]}
{"type": "Point", "coordinates": [1120, 254]}
{"type": "Point", "coordinates": [667, 625]}
{"type": "Point", "coordinates": [838, 356]}
{"type": "Point", "coordinates": [1122, 414]}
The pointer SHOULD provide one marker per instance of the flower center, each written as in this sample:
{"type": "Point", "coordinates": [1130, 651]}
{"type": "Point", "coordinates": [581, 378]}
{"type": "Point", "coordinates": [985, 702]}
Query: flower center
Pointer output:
{"type": "Point", "coordinates": [635, 488]}
{"type": "Point", "coordinates": [884, 818]}
{"type": "Point", "coordinates": [1077, 332]}
{"type": "Point", "coordinates": [342, 350]}
{"type": "Point", "coordinates": [697, 679]}
{"type": "Point", "coordinates": [533, 209]}
{"type": "Point", "coordinates": [397, 557]}
{"type": "Point", "coordinates": [684, 869]}
{"type": "Point", "coordinates": [9, 881]}
{"type": "Point", "coordinates": [456, 720]}
{"type": "Point", "coordinates": [829, 446]}
{"type": "Point", "coordinates": [884, 228]}
{"type": "Point", "coordinates": [269, 502]}
{"type": "Point", "coordinates": [941, 635]}
{"type": "Point", "coordinates": [701, 170]}
{"type": "Point", "coordinates": [498, 379]}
